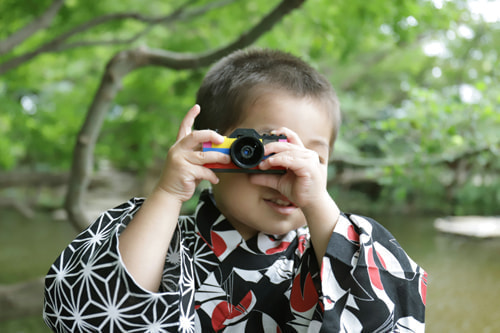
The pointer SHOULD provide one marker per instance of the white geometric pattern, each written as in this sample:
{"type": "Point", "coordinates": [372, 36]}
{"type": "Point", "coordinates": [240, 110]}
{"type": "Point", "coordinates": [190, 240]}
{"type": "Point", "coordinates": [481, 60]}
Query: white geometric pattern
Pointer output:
{"type": "Point", "coordinates": [214, 280]}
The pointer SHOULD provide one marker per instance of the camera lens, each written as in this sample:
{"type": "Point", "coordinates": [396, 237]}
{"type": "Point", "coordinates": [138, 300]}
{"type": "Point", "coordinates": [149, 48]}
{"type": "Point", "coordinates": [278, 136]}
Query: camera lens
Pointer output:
{"type": "Point", "coordinates": [247, 152]}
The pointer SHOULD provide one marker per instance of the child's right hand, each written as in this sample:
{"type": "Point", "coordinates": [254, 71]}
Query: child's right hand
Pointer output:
{"type": "Point", "coordinates": [184, 168]}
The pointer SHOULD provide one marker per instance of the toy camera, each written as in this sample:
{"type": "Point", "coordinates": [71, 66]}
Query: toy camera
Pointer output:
{"type": "Point", "coordinates": [246, 148]}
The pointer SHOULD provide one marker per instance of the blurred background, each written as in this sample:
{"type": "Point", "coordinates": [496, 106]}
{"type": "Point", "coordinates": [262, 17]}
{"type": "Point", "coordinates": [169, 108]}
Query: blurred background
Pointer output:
{"type": "Point", "coordinates": [418, 82]}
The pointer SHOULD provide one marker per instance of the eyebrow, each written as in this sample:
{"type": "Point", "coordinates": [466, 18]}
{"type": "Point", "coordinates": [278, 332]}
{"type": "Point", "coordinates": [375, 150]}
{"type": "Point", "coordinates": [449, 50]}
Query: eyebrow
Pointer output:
{"type": "Point", "coordinates": [319, 143]}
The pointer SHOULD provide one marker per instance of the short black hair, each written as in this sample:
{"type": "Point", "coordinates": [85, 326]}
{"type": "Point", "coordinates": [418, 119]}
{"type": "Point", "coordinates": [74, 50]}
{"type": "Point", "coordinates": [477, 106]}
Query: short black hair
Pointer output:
{"type": "Point", "coordinates": [235, 79]}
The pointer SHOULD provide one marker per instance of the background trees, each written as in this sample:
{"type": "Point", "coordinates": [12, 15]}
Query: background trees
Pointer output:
{"type": "Point", "coordinates": [416, 80]}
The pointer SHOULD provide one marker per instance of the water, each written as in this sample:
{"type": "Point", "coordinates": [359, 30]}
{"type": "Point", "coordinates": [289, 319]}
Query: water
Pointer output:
{"type": "Point", "coordinates": [464, 273]}
{"type": "Point", "coordinates": [27, 249]}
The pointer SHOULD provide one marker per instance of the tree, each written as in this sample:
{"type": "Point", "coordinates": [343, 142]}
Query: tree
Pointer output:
{"type": "Point", "coordinates": [337, 38]}
{"type": "Point", "coordinates": [119, 66]}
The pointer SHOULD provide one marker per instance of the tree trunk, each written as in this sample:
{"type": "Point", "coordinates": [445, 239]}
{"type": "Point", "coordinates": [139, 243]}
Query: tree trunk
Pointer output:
{"type": "Point", "coordinates": [117, 68]}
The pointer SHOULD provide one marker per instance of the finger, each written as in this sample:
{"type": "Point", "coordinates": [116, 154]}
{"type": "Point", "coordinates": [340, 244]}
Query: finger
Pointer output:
{"type": "Point", "coordinates": [207, 174]}
{"type": "Point", "coordinates": [206, 157]}
{"type": "Point", "coordinates": [278, 147]}
{"type": "Point", "coordinates": [266, 180]}
{"type": "Point", "coordinates": [188, 121]}
{"type": "Point", "coordinates": [196, 138]}
{"type": "Point", "coordinates": [291, 136]}
{"type": "Point", "coordinates": [291, 160]}
{"type": "Point", "coordinates": [288, 150]}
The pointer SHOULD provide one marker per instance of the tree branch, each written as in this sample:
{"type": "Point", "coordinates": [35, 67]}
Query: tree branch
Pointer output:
{"type": "Point", "coordinates": [42, 179]}
{"type": "Point", "coordinates": [59, 44]}
{"type": "Point", "coordinates": [362, 170]}
{"type": "Point", "coordinates": [41, 22]}
{"type": "Point", "coordinates": [117, 68]}
{"type": "Point", "coordinates": [32, 179]}
{"type": "Point", "coordinates": [109, 42]}
{"type": "Point", "coordinates": [425, 160]}
{"type": "Point", "coordinates": [23, 208]}
{"type": "Point", "coordinates": [179, 14]}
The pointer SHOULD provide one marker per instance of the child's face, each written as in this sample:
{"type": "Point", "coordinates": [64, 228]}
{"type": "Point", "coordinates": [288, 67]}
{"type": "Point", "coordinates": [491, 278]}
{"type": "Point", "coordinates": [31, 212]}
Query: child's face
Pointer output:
{"type": "Point", "coordinates": [252, 208]}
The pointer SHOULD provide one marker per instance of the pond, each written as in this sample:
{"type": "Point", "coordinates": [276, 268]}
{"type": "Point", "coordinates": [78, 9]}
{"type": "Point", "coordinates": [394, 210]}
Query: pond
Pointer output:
{"type": "Point", "coordinates": [464, 273]}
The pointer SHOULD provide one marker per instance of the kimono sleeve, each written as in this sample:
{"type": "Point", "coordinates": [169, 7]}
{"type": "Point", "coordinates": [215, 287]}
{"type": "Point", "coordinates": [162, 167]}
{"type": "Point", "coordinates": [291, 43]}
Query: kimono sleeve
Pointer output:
{"type": "Point", "coordinates": [369, 283]}
{"type": "Point", "coordinates": [89, 289]}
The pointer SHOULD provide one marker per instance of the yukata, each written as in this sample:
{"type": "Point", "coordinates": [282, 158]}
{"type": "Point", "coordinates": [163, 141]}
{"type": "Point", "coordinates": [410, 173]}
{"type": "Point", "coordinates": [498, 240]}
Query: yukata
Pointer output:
{"type": "Point", "coordinates": [215, 281]}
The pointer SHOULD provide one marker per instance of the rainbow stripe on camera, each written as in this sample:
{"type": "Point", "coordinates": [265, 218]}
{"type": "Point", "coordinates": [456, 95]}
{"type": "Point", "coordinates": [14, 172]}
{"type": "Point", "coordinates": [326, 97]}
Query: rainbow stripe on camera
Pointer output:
{"type": "Point", "coordinates": [225, 148]}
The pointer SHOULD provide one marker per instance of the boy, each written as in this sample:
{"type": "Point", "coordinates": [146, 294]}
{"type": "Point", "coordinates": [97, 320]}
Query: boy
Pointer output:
{"type": "Point", "coordinates": [263, 252]}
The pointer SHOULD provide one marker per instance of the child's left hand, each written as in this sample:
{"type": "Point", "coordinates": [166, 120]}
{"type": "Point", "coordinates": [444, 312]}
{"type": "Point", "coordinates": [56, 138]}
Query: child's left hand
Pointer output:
{"type": "Point", "coordinates": [304, 183]}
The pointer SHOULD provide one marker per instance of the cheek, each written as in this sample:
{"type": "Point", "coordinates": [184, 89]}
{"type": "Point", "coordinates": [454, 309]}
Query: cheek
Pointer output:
{"type": "Point", "coordinates": [229, 186]}
{"type": "Point", "coordinates": [324, 173]}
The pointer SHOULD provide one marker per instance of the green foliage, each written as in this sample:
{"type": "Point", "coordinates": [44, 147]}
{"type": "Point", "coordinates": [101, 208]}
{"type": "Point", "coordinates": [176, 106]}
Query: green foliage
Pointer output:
{"type": "Point", "coordinates": [442, 137]}
{"type": "Point", "coordinates": [402, 107]}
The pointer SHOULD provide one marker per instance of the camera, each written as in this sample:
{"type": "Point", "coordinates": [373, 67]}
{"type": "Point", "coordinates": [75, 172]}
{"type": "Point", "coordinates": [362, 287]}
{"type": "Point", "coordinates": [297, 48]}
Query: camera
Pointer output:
{"type": "Point", "coordinates": [246, 148]}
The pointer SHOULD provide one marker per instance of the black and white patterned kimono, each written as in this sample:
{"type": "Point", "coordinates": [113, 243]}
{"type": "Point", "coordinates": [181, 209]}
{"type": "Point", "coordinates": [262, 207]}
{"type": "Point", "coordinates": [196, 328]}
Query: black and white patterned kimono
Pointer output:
{"type": "Point", "coordinates": [214, 280]}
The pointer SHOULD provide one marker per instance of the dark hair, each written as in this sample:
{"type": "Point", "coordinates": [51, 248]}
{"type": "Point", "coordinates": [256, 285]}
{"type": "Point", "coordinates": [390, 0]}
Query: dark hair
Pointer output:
{"type": "Point", "coordinates": [235, 79]}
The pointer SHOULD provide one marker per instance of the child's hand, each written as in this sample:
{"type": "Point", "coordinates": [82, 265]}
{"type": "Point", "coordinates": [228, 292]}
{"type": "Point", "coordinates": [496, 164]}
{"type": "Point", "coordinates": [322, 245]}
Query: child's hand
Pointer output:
{"type": "Point", "coordinates": [304, 183]}
{"type": "Point", "coordinates": [184, 168]}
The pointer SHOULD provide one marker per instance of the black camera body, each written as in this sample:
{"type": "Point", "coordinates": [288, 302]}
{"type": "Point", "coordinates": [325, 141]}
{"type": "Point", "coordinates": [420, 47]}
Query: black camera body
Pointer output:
{"type": "Point", "coordinates": [246, 148]}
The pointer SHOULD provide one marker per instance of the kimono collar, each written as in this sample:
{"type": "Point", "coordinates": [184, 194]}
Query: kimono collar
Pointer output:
{"type": "Point", "coordinates": [223, 239]}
